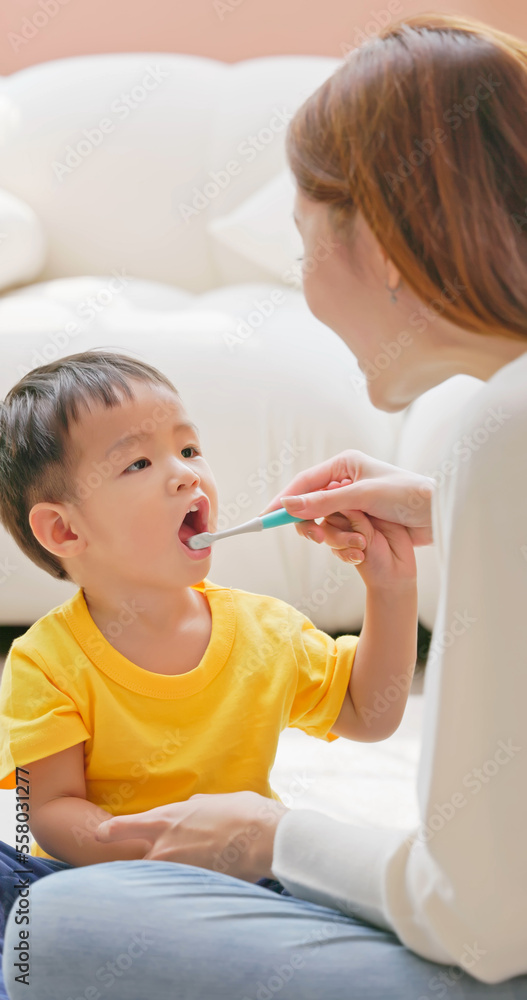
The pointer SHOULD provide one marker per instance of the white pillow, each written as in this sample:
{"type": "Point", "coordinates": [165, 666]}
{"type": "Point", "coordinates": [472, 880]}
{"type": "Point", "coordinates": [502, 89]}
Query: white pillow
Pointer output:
{"type": "Point", "coordinates": [23, 244]}
{"type": "Point", "coordinates": [262, 229]}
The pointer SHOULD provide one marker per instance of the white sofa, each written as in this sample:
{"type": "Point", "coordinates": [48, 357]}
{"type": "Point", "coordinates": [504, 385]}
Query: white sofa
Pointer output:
{"type": "Point", "coordinates": [145, 205]}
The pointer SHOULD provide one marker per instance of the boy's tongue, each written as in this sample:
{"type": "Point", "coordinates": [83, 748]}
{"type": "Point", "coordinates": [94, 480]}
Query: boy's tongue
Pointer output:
{"type": "Point", "coordinates": [186, 531]}
{"type": "Point", "coordinates": [190, 525]}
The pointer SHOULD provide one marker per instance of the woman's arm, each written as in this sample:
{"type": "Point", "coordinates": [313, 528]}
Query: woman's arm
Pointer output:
{"type": "Point", "coordinates": [454, 890]}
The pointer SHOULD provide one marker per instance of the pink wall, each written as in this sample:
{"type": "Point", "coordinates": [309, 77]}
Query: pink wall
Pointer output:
{"type": "Point", "coordinates": [229, 30]}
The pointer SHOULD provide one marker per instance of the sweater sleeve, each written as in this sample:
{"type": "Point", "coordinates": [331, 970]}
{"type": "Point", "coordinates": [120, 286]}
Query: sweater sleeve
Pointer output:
{"type": "Point", "coordinates": [455, 889]}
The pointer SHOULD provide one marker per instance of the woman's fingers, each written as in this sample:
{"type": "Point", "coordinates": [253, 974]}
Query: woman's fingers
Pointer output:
{"type": "Point", "coordinates": [129, 828]}
{"type": "Point", "coordinates": [322, 503]}
{"type": "Point", "coordinates": [332, 471]}
{"type": "Point", "coordinates": [421, 536]}
{"type": "Point", "coordinates": [354, 480]}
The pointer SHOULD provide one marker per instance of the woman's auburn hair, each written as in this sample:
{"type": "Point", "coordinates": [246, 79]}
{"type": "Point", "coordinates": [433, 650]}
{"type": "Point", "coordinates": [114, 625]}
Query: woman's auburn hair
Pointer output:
{"type": "Point", "coordinates": [424, 130]}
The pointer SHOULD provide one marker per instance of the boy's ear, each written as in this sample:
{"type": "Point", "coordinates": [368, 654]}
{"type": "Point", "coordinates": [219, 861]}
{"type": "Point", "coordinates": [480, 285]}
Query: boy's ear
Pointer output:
{"type": "Point", "coordinates": [50, 524]}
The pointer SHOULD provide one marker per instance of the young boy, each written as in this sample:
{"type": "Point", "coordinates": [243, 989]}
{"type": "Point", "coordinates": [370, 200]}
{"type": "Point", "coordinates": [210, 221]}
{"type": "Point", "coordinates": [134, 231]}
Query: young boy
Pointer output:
{"type": "Point", "coordinates": [152, 683]}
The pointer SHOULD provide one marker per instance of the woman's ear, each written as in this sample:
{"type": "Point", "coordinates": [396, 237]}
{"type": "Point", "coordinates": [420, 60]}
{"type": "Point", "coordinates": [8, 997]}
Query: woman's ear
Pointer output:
{"type": "Point", "coordinates": [51, 526]}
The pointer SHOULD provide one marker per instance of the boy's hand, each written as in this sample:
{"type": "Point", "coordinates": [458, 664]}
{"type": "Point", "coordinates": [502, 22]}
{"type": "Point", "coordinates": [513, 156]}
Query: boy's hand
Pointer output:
{"type": "Point", "coordinates": [387, 555]}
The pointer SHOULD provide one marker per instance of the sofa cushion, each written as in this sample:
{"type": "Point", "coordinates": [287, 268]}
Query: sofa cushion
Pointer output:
{"type": "Point", "coordinates": [23, 244]}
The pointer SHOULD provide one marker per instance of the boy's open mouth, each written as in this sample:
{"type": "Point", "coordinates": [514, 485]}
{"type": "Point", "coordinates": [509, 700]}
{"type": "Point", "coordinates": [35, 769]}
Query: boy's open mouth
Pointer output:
{"type": "Point", "coordinates": [195, 521]}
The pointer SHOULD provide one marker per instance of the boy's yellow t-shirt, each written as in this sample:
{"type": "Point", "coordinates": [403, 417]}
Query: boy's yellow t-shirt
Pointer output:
{"type": "Point", "coordinates": [151, 739]}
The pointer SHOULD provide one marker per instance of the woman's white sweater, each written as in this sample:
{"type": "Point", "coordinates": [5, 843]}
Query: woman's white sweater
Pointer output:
{"type": "Point", "coordinates": [455, 889]}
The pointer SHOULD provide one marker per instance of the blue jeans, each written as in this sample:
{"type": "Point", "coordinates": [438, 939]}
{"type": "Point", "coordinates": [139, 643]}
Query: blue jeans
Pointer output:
{"type": "Point", "coordinates": [168, 931]}
{"type": "Point", "coordinates": [12, 874]}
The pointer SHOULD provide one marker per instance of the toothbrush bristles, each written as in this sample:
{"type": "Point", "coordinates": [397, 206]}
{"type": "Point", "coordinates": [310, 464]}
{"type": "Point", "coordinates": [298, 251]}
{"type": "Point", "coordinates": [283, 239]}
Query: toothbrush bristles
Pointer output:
{"type": "Point", "coordinates": [199, 541]}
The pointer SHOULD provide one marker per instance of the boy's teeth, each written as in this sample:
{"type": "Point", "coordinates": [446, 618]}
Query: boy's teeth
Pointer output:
{"type": "Point", "coordinates": [195, 507]}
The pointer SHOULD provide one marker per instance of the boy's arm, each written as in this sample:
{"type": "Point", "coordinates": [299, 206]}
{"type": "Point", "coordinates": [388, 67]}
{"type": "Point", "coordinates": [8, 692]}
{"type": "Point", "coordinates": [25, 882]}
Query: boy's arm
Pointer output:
{"type": "Point", "coordinates": [383, 666]}
{"type": "Point", "coordinates": [62, 821]}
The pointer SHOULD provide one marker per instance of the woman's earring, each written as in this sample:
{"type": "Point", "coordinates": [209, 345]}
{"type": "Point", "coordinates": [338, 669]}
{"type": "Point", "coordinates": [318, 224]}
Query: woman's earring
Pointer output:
{"type": "Point", "coordinates": [393, 297]}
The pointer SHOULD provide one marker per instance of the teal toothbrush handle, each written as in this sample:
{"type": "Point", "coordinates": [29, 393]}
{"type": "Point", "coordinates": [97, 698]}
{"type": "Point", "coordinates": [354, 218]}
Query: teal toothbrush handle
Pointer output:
{"type": "Point", "coordinates": [278, 517]}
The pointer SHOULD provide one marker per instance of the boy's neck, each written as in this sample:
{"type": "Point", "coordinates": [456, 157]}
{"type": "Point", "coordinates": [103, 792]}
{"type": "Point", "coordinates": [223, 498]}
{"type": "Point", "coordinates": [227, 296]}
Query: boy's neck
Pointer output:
{"type": "Point", "coordinates": [147, 614]}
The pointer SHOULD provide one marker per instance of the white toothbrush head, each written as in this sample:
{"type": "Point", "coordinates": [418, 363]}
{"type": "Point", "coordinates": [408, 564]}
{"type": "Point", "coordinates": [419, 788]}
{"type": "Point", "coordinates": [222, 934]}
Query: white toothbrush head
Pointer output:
{"type": "Point", "coordinates": [201, 541]}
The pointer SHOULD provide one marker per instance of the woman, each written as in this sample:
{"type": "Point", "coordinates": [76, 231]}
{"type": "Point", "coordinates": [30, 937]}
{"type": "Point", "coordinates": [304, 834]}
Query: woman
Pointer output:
{"type": "Point", "coordinates": [412, 161]}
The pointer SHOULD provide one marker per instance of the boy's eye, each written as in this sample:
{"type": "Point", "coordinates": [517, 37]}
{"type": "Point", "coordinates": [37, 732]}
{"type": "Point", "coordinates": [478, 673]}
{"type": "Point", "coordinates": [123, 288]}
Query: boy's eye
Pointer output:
{"type": "Point", "coordinates": [138, 462]}
{"type": "Point", "coordinates": [183, 450]}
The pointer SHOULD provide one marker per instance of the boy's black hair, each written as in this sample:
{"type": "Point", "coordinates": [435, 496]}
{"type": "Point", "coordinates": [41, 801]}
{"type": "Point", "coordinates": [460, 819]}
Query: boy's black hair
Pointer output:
{"type": "Point", "coordinates": [37, 460]}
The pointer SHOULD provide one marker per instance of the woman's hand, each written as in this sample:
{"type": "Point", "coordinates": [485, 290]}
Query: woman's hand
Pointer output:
{"type": "Point", "coordinates": [231, 833]}
{"type": "Point", "coordinates": [353, 481]}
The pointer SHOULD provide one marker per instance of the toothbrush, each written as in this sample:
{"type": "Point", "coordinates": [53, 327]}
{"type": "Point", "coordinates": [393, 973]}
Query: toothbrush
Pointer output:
{"type": "Point", "coordinates": [272, 520]}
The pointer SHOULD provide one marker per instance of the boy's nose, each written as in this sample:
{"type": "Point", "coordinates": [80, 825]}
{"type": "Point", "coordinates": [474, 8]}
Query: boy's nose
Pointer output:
{"type": "Point", "coordinates": [182, 478]}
